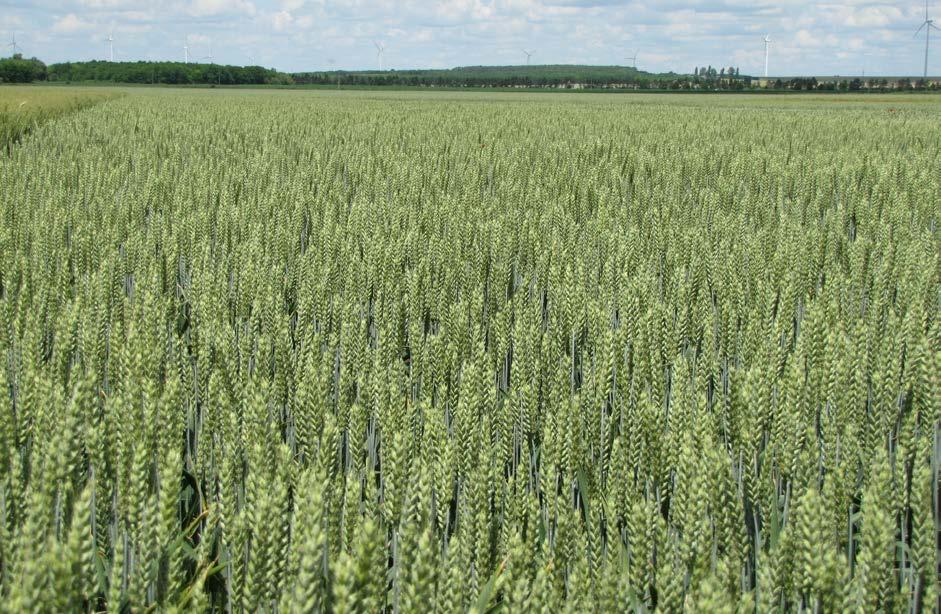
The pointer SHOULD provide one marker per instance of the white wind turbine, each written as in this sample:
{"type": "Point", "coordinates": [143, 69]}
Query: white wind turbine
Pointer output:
{"type": "Point", "coordinates": [767, 46]}
{"type": "Point", "coordinates": [186, 49]}
{"type": "Point", "coordinates": [865, 63]}
{"type": "Point", "coordinates": [528, 55]}
{"type": "Point", "coordinates": [926, 25]}
{"type": "Point", "coordinates": [380, 50]}
{"type": "Point", "coordinates": [633, 60]}
{"type": "Point", "coordinates": [209, 57]}
{"type": "Point", "coordinates": [13, 44]}
{"type": "Point", "coordinates": [110, 40]}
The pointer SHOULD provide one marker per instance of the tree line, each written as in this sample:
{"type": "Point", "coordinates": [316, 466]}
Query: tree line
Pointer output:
{"type": "Point", "coordinates": [19, 70]}
{"type": "Point", "coordinates": [560, 76]}
{"type": "Point", "coordinates": [855, 84]}
{"type": "Point", "coordinates": [172, 73]}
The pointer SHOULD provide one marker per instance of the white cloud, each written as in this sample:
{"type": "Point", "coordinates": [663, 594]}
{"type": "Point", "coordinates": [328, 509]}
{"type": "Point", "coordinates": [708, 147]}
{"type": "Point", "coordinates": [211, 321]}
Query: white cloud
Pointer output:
{"type": "Point", "coordinates": [112, 4]}
{"type": "Point", "coordinates": [9, 22]}
{"type": "Point", "coordinates": [805, 38]}
{"type": "Point", "coordinates": [206, 8]}
{"type": "Point", "coordinates": [70, 24]}
{"type": "Point", "coordinates": [281, 21]}
{"type": "Point", "coordinates": [874, 16]}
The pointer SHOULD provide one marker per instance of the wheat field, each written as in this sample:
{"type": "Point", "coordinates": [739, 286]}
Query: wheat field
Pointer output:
{"type": "Point", "coordinates": [394, 352]}
{"type": "Point", "coordinates": [22, 108]}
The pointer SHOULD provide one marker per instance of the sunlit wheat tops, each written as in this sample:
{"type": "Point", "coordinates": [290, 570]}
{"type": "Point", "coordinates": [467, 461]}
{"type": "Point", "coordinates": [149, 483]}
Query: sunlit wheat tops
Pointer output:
{"type": "Point", "coordinates": [296, 352]}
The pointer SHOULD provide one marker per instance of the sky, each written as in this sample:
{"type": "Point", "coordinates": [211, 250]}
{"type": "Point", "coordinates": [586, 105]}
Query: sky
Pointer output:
{"type": "Point", "coordinates": [845, 37]}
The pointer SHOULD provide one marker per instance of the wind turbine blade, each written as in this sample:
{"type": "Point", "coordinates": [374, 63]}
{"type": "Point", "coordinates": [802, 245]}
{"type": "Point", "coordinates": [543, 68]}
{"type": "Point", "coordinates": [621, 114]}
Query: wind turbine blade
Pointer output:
{"type": "Point", "coordinates": [920, 28]}
{"type": "Point", "coordinates": [931, 24]}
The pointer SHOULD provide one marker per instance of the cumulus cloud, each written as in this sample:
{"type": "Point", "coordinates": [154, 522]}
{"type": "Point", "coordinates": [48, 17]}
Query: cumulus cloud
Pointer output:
{"type": "Point", "coordinates": [806, 38]}
{"type": "Point", "coordinates": [113, 4]}
{"type": "Point", "coordinates": [204, 8]}
{"type": "Point", "coordinates": [70, 24]}
{"type": "Point", "coordinates": [281, 21]}
{"type": "Point", "coordinates": [873, 16]}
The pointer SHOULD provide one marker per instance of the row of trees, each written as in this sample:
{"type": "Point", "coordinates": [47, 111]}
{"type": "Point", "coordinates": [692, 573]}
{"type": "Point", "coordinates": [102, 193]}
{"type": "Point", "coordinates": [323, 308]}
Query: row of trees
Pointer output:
{"type": "Point", "coordinates": [707, 78]}
{"type": "Point", "coordinates": [702, 79]}
{"type": "Point", "coordinates": [708, 72]}
{"type": "Point", "coordinates": [173, 73]}
{"type": "Point", "coordinates": [17, 69]}
{"type": "Point", "coordinates": [548, 76]}
{"type": "Point", "coordinates": [853, 85]}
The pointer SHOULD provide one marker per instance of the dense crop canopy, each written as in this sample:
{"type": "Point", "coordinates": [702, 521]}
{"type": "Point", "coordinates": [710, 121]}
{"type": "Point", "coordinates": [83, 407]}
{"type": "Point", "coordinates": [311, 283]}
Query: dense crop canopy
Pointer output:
{"type": "Point", "coordinates": [360, 352]}
{"type": "Point", "coordinates": [23, 108]}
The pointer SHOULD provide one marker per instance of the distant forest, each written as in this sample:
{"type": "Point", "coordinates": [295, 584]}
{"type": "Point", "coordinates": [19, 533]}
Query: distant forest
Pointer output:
{"type": "Point", "coordinates": [555, 76]}
{"type": "Point", "coordinates": [172, 73]}
{"type": "Point", "coordinates": [17, 69]}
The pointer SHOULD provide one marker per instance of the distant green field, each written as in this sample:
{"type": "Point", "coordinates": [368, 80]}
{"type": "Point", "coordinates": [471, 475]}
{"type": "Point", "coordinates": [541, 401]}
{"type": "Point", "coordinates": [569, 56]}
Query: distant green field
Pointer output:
{"type": "Point", "coordinates": [438, 351]}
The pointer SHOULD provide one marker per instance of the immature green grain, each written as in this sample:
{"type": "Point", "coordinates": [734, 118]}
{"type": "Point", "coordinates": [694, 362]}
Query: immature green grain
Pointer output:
{"type": "Point", "coordinates": [394, 352]}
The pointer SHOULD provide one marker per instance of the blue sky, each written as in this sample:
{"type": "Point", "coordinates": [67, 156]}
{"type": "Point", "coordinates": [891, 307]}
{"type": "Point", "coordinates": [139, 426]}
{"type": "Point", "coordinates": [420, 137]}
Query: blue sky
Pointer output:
{"type": "Point", "coordinates": [829, 37]}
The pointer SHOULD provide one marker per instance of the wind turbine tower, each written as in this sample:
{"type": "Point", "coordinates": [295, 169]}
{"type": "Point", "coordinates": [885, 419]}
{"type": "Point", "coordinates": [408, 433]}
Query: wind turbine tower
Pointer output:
{"type": "Point", "coordinates": [209, 57]}
{"type": "Point", "coordinates": [926, 25]}
{"type": "Point", "coordinates": [633, 60]}
{"type": "Point", "coordinates": [767, 46]}
{"type": "Point", "coordinates": [110, 40]}
{"type": "Point", "coordinates": [380, 50]}
{"type": "Point", "coordinates": [13, 44]}
{"type": "Point", "coordinates": [186, 49]}
{"type": "Point", "coordinates": [528, 55]}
